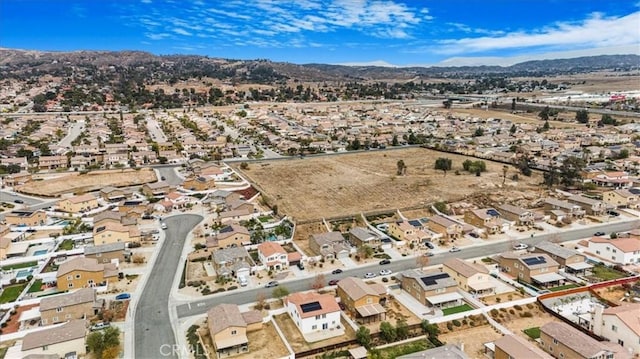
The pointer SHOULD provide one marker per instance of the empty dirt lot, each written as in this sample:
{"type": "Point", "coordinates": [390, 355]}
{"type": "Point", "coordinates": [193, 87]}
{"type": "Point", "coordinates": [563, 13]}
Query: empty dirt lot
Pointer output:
{"type": "Point", "coordinates": [351, 183]}
{"type": "Point", "coordinates": [92, 181]}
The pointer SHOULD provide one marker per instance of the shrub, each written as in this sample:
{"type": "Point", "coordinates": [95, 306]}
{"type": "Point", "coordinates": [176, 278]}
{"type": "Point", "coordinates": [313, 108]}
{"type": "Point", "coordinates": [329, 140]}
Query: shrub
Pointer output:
{"type": "Point", "coordinates": [385, 279]}
{"type": "Point", "coordinates": [464, 322]}
{"type": "Point", "coordinates": [29, 277]}
{"type": "Point", "coordinates": [137, 259]}
{"type": "Point", "coordinates": [498, 300]}
{"type": "Point", "coordinates": [511, 311]}
{"type": "Point", "coordinates": [232, 287]}
{"type": "Point", "coordinates": [4, 325]}
{"type": "Point", "coordinates": [456, 323]}
{"type": "Point", "coordinates": [135, 245]}
{"type": "Point", "coordinates": [529, 305]}
{"type": "Point", "coordinates": [518, 307]}
{"type": "Point", "coordinates": [206, 291]}
{"type": "Point", "coordinates": [527, 315]}
{"type": "Point", "coordinates": [498, 320]}
{"type": "Point", "coordinates": [494, 312]}
{"type": "Point", "coordinates": [503, 309]}
{"type": "Point", "coordinates": [449, 326]}
{"type": "Point", "coordinates": [473, 324]}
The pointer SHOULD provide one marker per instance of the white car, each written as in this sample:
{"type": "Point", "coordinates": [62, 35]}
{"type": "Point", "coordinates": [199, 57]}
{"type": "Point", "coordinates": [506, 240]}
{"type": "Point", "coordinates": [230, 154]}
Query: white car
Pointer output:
{"type": "Point", "coordinates": [520, 246]}
{"type": "Point", "coordinates": [369, 275]}
{"type": "Point", "coordinates": [163, 226]}
{"type": "Point", "coordinates": [385, 272]}
{"type": "Point", "coordinates": [454, 249]}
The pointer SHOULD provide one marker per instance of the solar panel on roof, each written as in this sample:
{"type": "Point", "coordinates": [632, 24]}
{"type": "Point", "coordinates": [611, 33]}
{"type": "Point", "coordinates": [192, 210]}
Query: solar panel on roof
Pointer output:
{"type": "Point", "coordinates": [493, 213]}
{"type": "Point", "coordinates": [431, 280]}
{"type": "Point", "coordinates": [534, 261]}
{"type": "Point", "coordinates": [226, 229]}
{"type": "Point", "coordinates": [415, 223]}
{"type": "Point", "coordinates": [310, 307]}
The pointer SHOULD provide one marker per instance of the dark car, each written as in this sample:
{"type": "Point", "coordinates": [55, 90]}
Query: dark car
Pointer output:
{"type": "Point", "coordinates": [300, 266]}
{"type": "Point", "coordinates": [598, 234]}
{"type": "Point", "coordinates": [18, 201]}
{"type": "Point", "coordinates": [474, 234]}
{"type": "Point", "coordinates": [429, 245]}
{"type": "Point", "coordinates": [337, 271]}
{"type": "Point", "coordinates": [384, 261]}
{"type": "Point", "coordinates": [334, 281]}
{"type": "Point", "coordinates": [123, 296]}
{"type": "Point", "coordinates": [613, 213]}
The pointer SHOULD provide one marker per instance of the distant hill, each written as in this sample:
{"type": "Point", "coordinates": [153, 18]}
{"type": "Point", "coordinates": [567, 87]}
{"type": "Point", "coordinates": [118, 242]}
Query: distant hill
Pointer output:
{"type": "Point", "coordinates": [25, 63]}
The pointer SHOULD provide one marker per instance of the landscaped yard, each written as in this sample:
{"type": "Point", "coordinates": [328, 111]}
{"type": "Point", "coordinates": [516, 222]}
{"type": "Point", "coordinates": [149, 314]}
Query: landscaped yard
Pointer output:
{"type": "Point", "coordinates": [563, 287]}
{"type": "Point", "coordinates": [66, 245]}
{"type": "Point", "coordinates": [458, 309]}
{"type": "Point", "coordinates": [533, 333]}
{"type": "Point", "coordinates": [19, 266]}
{"type": "Point", "coordinates": [36, 287]}
{"type": "Point", "coordinates": [605, 273]}
{"type": "Point", "coordinates": [403, 349]}
{"type": "Point", "coordinates": [11, 293]}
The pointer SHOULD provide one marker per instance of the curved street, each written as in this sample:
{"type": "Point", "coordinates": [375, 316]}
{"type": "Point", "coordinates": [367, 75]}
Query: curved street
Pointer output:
{"type": "Point", "coordinates": [154, 334]}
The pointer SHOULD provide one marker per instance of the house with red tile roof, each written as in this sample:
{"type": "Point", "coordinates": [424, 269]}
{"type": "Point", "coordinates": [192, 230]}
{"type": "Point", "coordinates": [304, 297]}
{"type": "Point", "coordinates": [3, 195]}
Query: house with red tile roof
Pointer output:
{"type": "Point", "coordinates": [273, 256]}
{"type": "Point", "coordinates": [313, 312]}
{"type": "Point", "coordinates": [620, 250]}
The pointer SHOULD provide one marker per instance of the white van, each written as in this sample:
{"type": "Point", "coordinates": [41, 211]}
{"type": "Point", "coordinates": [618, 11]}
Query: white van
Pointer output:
{"type": "Point", "coordinates": [242, 281]}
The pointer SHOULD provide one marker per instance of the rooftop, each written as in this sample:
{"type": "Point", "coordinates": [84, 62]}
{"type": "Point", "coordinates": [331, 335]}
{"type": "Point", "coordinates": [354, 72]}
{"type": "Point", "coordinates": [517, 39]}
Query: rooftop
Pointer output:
{"type": "Point", "coordinates": [71, 330]}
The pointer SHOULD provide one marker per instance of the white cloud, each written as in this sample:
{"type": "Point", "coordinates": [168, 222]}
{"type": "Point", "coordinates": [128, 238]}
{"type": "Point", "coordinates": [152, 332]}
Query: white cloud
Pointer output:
{"type": "Point", "coordinates": [181, 31]}
{"type": "Point", "coordinates": [159, 36]}
{"type": "Point", "coordinates": [595, 31]}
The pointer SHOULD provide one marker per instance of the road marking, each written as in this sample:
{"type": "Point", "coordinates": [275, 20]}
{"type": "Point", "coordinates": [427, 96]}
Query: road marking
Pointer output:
{"type": "Point", "coordinates": [189, 304]}
{"type": "Point", "coordinates": [201, 304]}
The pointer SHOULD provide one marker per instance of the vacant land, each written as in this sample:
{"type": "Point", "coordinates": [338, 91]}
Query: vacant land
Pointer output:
{"type": "Point", "coordinates": [352, 183]}
{"type": "Point", "coordinates": [265, 343]}
{"type": "Point", "coordinates": [296, 340]}
{"type": "Point", "coordinates": [92, 181]}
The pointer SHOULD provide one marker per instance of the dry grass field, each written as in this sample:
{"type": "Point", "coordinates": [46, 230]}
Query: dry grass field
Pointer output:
{"type": "Point", "coordinates": [349, 184]}
{"type": "Point", "coordinates": [92, 181]}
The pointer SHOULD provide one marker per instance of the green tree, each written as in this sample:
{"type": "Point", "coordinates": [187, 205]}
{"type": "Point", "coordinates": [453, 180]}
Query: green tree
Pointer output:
{"type": "Point", "coordinates": [544, 114]}
{"type": "Point", "coordinates": [571, 170]}
{"type": "Point", "coordinates": [582, 116]}
{"type": "Point", "coordinates": [402, 168]}
{"type": "Point", "coordinates": [513, 104]}
{"type": "Point", "coordinates": [363, 337]}
{"type": "Point", "coordinates": [479, 132]}
{"type": "Point", "coordinates": [431, 330]}
{"type": "Point", "coordinates": [394, 141]}
{"type": "Point", "coordinates": [444, 164]}
{"type": "Point", "coordinates": [388, 332]}
{"type": "Point", "coordinates": [441, 207]}
{"type": "Point", "coordinates": [513, 129]}
{"type": "Point", "coordinates": [402, 329]}
{"type": "Point", "coordinates": [545, 127]}
{"type": "Point", "coordinates": [103, 341]}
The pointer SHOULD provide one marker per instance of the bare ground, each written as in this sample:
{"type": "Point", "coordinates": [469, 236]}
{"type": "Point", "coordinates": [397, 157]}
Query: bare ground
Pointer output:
{"type": "Point", "coordinates": [357, 182]}
{"type": "Point", "coordinates": [296, 340]}
{"type": "Point", "coordinates": [92, 181]}
{"type": "Point", "coordinates": [265, 343]}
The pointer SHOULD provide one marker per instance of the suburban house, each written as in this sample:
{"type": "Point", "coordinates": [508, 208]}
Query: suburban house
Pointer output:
{"type": "Point", "coordinates": [52, 162]}
{"type": "Point", "coordinates": [446, 227]}
{"type": "Point", "coordinates": [571, 210]}
{"type": "Point", "coordinates": [228, 328]}
{"type": "Point", "coordinates": [447, 351]}
{"type": "Point", "coordinates": [617, 179]}
{"type": "Point", "coordinates": [563, 341]}
{"type": "Point", "coordinates": [114, 232]}
{"type": "Point", "coordinates": [619, 251]}
{"type": "Point", "coordinates": [232, 262]}
{"type": "Point", "coordinates": [78, 204]}
{"type": "Point", "coordinates": [273, 256]}
{"type": "Point", "coordinates": [313, 312]}
{"type": "Point", "coordinates": [329, 245]}
{"type": "Point", "coordinates": [229, 235]}
{"type": "Point", "coordinates": [621, 198]}
{"type": "Point", "coordinates": [199, 183]}
{"type": "Point", "coordinates": [569, 259]}
{"type": "Point", "coordinates": [361, 236]}
{"type": "Point", "coordinates": [65, 341]}
{"type": "Point", "coordinates": [619, 324]}
{"type": "Point", "coordinates": [26, 218]}
{"type": "Point", "coordinates": [81, 304]}
{"type": "Point", "coordinates": [112, 194]}
{"type": "Point", "coordinates": [156, 189]}
{"type": "Point", "coordinates": [533, 268]}
{"type": "Point", "coordinates": [487, 219]}
{"type": "Point", "coordinates": [81, 272]}
{"type": "Point", "coordinates": [514, 347]}
{"type": "Point", "coordinates": [107, 253]}
{"type": "Point", "coordinates": [591, 206]}
{"type": "Point", "coordinates": [363, 301]}
{"type": "Point", "coordinates": [521, 216]}
{"type": "Point", "coordinates": [433, 288]}
{"type": "Point", "coordinates": [471, 277]}
{"type": "Point", "coordinates": [404, 231]}
{"type": "Point", "coordinates": [17, 179]}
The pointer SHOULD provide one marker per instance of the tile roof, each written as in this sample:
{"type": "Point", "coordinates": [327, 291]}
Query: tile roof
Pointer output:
{"type": "Point", "coordinates": [270, 248]}
{"type": "Point", "coordinates": [326, 303]}
{"type": "Point", "coordinates": [71, 330]}
{"type": "Point", "coordinates": [223, 316]}
{"type": "Point", "coordinates": [574, 339]}
{"type": "Point", "coordinates": [80, 263]}
{"type": "Point", "coordinates": [555, 249]}
{"type": "Point", "coordinates": [356, 288]}
{"type": "Point", "coordinates": [465, 268]}
{"type": "Point", "coordinates": [626, 245]}
{"type": "Point", "coordinates": [519, 348]}
{"type": "Point", "coordinates": [84, 295]}
{"type": "Point", "coordinates": [628, 314]}
{"type": "Point", "coordinates": [104, 248]}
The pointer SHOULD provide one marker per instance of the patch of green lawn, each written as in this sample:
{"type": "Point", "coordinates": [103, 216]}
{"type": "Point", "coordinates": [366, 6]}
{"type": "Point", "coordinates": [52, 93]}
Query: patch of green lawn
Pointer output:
{"type": "Point", "coordinates": [66, 245]}
{"type": "Point", "coordinates": [19, 266]}
{"type": "Point", "coordinates": [533, 333]}
{"type": "Point", "coordinates": [606, 273]}
{"type": "Point", "coordinates": [11, 293]}
{"type": "Point", "coordinates": [563, 287]}
{"type": "Point", "coordinates": [36, 287]}
{"type": "Point", "coordinates": [458, 309]}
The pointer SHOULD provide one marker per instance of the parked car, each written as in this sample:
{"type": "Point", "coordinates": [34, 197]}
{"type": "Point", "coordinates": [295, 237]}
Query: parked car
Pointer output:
{"type": "Point", "coordinates": [369, 275]}
{"type": "Point", "coordinates": [163, 225]}
{"type": "Point", "coordinates": [162, 178]}
{"type": "Point", "coordinates": [384, 261]}
{"type": "Point", "coordinates": [300, 265]}
{"type": "Point", "coordinates": [429, 245]}
{"type": "Point", "coordinates": [385, 272]}
{"type": "Point", "coordinates": [428, 254]}
{"type": "Point", "coordinates": [337, 271]}
{"type": "Point", "coordinates": [613, 213]}
{"type": "Point", "coordinates": [123, 296]}
{"type": "Point", "coordinates": [454, 249]}
{"type": "Point", "coordinates": [100, 326]}
{"type": "Point", "coordinates": [520, 246]}
{"type": "Point", "coordinates": [598, 234]}
{"type": "Point", "coordinates": [272, 284]}
{"type": "Point", "coordinates": [474, 234]}
{"type": "Point", "coordinates": [18, 201]}
{"type": "Point", "coordinates": [334, 281]}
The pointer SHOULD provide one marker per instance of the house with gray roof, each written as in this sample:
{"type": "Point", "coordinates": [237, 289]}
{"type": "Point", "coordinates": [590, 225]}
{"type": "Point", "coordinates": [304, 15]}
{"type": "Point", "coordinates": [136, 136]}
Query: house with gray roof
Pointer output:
{"type": "Point", "coordinates": [64, 341]}
{"type": "Point", "coordinates": [360, 236]}
{"type": "Point", "coordinates": [228, 328]}
{"type": "Point", "coordinates": [329, 245]}
{"type": "Point", "coordinates": [432, 288]}
{"type": "Point", "coordinates": [570, 259]}
{"type": "Point", "coordinates": [232, 262]}
{"type": "Point", "coordinates": [81, 304]}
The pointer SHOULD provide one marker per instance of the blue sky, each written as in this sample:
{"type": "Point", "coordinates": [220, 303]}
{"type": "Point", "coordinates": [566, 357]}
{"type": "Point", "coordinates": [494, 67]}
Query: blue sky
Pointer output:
{"type": "Point", "coordinates": [396, 32]}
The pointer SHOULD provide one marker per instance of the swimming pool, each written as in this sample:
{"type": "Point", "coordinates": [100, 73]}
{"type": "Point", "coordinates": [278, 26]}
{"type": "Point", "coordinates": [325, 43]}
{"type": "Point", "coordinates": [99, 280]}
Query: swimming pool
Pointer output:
{"type": "Point", "coordinates": [23, 273]}
{"type": "Point", "coordinates": [40, 252]}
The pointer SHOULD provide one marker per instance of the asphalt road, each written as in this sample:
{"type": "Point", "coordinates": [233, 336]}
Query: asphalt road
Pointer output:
{"type": "Point", "coordinates": [74, 131]}
{"type": "Point", "coordinates": [154, 334]}
{"type": "Point", "coordinates": [169, 174]}
{"type": "Point", "coordinates": [10, 197]}
{"type": "Point", "coordinates": [200, 306]}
